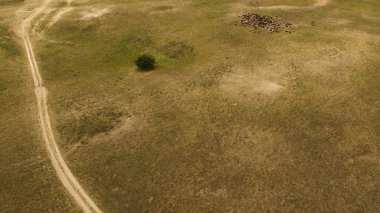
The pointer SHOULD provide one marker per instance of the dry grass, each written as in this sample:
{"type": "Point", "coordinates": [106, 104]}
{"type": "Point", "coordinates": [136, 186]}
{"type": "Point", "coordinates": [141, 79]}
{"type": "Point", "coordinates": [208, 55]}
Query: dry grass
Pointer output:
{"type": "Point", "coordinates": [27, 180]}
{"type": "Point", "coordinates": [270, 122]}
{"type": "Point", "coordinates": [264, 122]}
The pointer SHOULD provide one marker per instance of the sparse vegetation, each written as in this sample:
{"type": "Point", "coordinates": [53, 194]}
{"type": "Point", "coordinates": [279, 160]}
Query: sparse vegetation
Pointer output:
{"type": "Point", "coordinates": [234, 121]}
{"type": "Point", "coordinates": [8, 43]}
{"type": "Point", "coordinates": [215, 132]}
{"type": "Point", "coordinates": [27, 180]}
{"type": "Point", "coordinates": [10, 2]}
{"type": "Point", "coordinates": [175, 49]}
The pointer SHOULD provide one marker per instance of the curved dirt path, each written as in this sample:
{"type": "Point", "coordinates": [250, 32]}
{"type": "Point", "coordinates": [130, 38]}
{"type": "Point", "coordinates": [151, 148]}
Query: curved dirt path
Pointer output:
{"type": "Point", "coordinates": [61, 13]}
{"type": "Point", "coordinates": [317, 3]}
{"type": "Point", "coordinates": [63, 172]}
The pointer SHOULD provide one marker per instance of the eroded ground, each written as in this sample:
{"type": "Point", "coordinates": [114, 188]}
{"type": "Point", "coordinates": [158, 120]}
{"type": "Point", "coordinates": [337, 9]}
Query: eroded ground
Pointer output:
{"type": "Point", "coordinates": [230, 120]}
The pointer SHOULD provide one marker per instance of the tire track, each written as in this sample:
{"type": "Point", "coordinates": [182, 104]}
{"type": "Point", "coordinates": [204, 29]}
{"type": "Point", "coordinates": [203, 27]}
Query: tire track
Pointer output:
{"type": "Point", "coordinates": [63, 172]}
{"type": "Point", "coordinates": [317, 3]}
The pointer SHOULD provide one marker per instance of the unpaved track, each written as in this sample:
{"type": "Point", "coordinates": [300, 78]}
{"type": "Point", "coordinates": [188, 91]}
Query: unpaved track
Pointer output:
{"type": "Point", "coordinates": [63, 172]}
{"type": "Point", "coordinates": [60, 13]}
{"type": "Point", "coordinates": [318, 3]}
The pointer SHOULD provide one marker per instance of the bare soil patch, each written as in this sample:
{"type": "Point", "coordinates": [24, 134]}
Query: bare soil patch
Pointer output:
{"type": "Point", "coordinates": [94, 13]}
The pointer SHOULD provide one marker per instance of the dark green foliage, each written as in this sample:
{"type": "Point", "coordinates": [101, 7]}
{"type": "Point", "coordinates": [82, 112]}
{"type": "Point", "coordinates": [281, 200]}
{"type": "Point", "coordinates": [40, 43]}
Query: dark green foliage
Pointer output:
{"type": "Point", "coordinates": [145, 62]}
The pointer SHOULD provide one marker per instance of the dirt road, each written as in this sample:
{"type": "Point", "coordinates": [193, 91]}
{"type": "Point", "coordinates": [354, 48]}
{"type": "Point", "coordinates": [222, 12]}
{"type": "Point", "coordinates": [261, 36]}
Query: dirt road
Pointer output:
{"type": "Point", "coordinates": [317, 3]}
{"type": "Point", "coordinates": [63, 172]}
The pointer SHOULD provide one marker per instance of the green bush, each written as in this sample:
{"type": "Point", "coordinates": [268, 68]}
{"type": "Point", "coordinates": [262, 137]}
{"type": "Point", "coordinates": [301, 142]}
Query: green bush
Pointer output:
{"type": "Point", "coordinates": [145, 62]}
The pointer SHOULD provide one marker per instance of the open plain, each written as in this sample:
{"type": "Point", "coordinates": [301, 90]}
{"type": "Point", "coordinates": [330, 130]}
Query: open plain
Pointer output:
{"type": "Point", "coordinates": [232, 119]}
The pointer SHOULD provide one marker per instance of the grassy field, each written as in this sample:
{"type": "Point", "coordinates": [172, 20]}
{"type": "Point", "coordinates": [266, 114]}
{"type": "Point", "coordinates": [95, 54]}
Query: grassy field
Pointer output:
{"type": "Point", "coordinates": [27, 181]}
{"type": "Point", "coordinates": [230, 120]}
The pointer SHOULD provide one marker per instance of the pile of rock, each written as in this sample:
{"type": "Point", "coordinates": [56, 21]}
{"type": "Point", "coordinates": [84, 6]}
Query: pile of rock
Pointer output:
{"type": "Point", "coordinates": [262, 22]}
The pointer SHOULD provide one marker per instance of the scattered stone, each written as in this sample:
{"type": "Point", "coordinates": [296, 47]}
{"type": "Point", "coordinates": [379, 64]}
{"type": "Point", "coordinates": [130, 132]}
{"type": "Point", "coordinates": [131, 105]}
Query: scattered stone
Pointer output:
{"type": "Point", "coordinates": [150, 199]}
{"type": "Point", "coordinates": [262, 22]}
